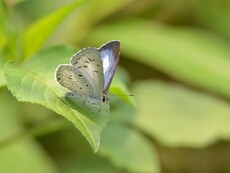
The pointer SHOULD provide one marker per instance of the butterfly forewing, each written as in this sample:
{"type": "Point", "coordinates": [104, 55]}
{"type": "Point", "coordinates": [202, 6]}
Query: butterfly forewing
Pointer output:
{"type": "Point", "coordinates": [88, 62]}
{"type": "Point", "coordinates": [69, 77]}
{"type": "Point", "coordinates": [110, 56]}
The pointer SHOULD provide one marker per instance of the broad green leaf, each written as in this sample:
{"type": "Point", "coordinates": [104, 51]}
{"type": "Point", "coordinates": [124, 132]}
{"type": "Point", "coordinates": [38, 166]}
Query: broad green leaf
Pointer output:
{"type": "Point", "coordinates": [177, 116]}
{"type": "Point", "coordinates": [129, 150]}
{"type": "Point", "coordinates": [35, 36]}
{"type": "Point", "coordinates": [21, 156]}
{"type": "Point", "coordinates": [189, 55]}
{"type": "Point", "coordinates": [34, 82]}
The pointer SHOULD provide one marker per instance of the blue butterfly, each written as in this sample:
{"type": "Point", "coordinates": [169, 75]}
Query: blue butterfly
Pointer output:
{"type": "Point", "coordinates": [89, 74]}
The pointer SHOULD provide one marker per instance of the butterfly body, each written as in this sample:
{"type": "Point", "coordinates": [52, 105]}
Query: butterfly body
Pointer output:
{"type": "Point", "coordinates": [89, 75]}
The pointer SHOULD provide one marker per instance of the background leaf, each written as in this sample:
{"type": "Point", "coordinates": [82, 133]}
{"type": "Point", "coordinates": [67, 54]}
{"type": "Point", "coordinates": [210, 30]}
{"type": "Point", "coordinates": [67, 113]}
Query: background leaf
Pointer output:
{"type": "Point", "coordinates": [177, 116]}
{"type": "Point", "coordinates": [28, 154]}
{"type": "Point", "coordinates": [119, 141]}
{"type": "Point", "coordinates": [35, 36]}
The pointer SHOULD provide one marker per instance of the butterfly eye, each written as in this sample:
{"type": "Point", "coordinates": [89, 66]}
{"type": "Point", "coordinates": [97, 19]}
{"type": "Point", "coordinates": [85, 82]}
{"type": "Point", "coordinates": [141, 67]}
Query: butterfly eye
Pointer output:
{"type": "Point", "coordinates": [103, 98]}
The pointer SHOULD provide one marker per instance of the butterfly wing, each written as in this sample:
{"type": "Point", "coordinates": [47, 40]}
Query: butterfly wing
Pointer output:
{"type": "Point", "coordinates": [110, 56]}
{"type": "Point", "coordinates": [88, 62]}
{"type": "Point", "coordinates": [71, 78]}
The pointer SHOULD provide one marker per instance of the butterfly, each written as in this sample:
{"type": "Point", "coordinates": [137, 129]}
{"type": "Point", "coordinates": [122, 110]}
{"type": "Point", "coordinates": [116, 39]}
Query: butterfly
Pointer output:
{"type": "Point", "coordinates": [89, 76]}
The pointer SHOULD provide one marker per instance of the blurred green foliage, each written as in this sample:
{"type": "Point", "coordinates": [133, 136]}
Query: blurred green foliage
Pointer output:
{"type": "Point", "coordinates": [174, 58]}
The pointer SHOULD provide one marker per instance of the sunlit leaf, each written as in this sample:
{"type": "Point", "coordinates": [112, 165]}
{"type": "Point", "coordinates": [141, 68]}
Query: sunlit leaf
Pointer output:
{"type": "Point", "coordinates": [34, 82]}
{"type": "Point", "coordinates": [39, 32]}
{"type": "Point", "coordinates": [124, 147]}
{"type": "Point", "coordinates": [177, 116]}
{"type": "Point", "coordinates": [24, 155]}
{"type": "Point", "coordinates": [189, 55]}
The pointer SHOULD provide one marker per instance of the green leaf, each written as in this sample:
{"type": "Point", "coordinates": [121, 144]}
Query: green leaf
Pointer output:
{"type": "Point", "coordinates": [34, 82]}
{"type": "Point", "coordinates": [35, 36]}
{"type": "Point", "coordinates": [124, 147]}
{"type": "Point", "coordinates": [189, 55]}
{"type": "Point", "coordinates": [179, 117]}
{"type": "Point", "coordinates": [21, 156]}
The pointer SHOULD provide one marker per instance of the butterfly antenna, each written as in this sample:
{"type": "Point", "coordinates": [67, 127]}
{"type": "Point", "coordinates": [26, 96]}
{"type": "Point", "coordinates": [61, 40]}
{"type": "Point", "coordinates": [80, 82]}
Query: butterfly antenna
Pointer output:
{"type": "Point", "coordinates": [123, 94]}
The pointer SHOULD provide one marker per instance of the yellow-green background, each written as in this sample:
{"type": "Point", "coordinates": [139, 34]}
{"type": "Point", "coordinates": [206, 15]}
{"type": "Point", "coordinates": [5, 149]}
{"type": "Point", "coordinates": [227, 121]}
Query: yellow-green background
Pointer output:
{"type": "Point", "coordinates": [175, 60]}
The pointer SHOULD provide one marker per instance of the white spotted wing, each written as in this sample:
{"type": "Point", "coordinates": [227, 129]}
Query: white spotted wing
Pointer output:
{"type": "Point", "coordinates": [88, 62]}
{"type": "Point", "coordinates": [84, 76]}
{"type": "Point", "coordinates": [90, 72]}
{"type": "Point", "coordinates": [69, 77]}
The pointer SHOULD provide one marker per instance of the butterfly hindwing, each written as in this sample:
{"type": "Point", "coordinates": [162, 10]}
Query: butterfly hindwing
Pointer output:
{"type": "Point", "coordinates": [87, 105]}
{"type": "Point", "coordinates": [109, 53]}
{"type": "Point", "coordinates": [88, 62]}
{"type": "Point", "coordinates": [69, 77]}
